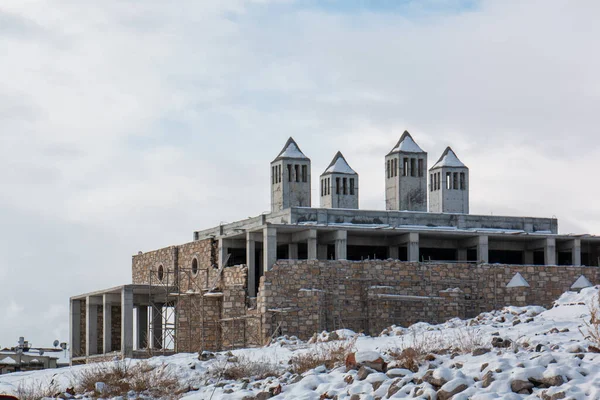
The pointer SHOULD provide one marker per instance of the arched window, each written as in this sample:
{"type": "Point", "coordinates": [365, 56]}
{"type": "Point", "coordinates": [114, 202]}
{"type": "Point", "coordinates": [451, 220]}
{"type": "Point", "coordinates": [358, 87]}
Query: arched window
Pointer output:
{"type": "Point", "coordinates": [195, 266]}
{"type": "Point", "coordinates": [161, 272]}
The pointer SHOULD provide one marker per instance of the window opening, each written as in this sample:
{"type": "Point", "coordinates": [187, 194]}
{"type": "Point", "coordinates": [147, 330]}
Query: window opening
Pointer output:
{"type": "Point", "coordinates": [421, 172]}
{"type": "Point", "coordinates": [462, 181]}
{"type": "Point", "coordinates": [395, 170]}
{"type": "Point", "coordinates": [431, 182]}
{"type": "Point", "coordinates": [304, 173]}
{"type": "Point", "coordinates": [195, 266]}
{"type": "Point", "coordinates": [352, 186]}
{"type": "Point", "coordinates": [455, 181]}
{"type": "Point", "coordinates": [322, 186]}
{"type": "Point", "coordinates": [273, 174]}
{"type": "Point", "coordinates": [405, 166]}
{"type": "Point", "coordinates": [388, 169]}
{"type": "Point", "coordinates": [439, 180]}
{"type": "Point", "coordinates": [297, 171]}
{"type": "Point", "coordinates": [289, 168]}
{"type": "Point", "coordinates": [413, 167]}
{"type": "Point", "coordinates": [345, 185]}
{"type": "Point", "coordinates": [337, 185]}
{"type": "Point", "coordinates": [328, 186]}
{"type": "Point", "coordinates": [448, 180]}
{"type": "Point", "coordinates": [161, 272]}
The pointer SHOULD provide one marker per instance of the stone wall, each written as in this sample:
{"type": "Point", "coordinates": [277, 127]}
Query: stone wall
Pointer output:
{"type": "Point", "coordinates": [300, 297]}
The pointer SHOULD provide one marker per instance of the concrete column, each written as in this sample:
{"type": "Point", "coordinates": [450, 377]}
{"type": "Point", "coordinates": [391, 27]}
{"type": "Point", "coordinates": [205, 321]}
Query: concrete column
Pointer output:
{"type": "Point", "coordinates": [393, 252]}
{"type": "Point", "coordinates": [413, 247]}
{"type": "Point", "coordinates": [127, 321]}
{"type": "Point", "coordinates": [341, 248]}
{"type": "Point", "coordinates": [312, 245]}
{"type": "Point", "coordinates": [322, 251]}
{"type": "Point", "coordinates": [75, 328]}
{"type": "Point", "coordinates": [576, 252]}
{"type": "Point", "coordinates": [107, 323]}
{"type": "Point", "coordinates": [91, 326]}
{"type": "Point", "coordinates": [157, 333]}
{"type": "Point", "coordinates": [269, 247]}
{"type": "Point", "coordinates": [293, 251]}
{"type": "Point", "coordinates": [142, 327]}
{"type": "Point", "coordinates": [528, 257]}
{"type": "Point", "coordinates": [461, 255]}
{"type": "Point", "coordinates": [550, 251]}
{"type": "Point", "coordinates": [483, 254]}
{"type": "Point", "coordinates": [251, 263]}
{"type": "Point", "coordinates": [223, 251]}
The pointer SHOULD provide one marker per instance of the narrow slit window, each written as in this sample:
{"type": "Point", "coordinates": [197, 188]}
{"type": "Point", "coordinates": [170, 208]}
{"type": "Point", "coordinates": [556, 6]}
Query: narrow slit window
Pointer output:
{"type": "Point", "coordinates": [405, 167]}
{"type": "Point", "coordinates": [279, 173]}
{"type": "Point", "coordinates": [297, 171]}
{"type": "Point", "coordinates": [328, 186]}
{"type": "Point", "coordinates": [421, 171]}
{"type": "Point", "coordinates": [273, 174]}
{"type": "Point", "coordinates": [289, 168]}
{"type": "Point", "coordinates": [431, 182]}
{"type": "Point", "coordinates": [462, 181]}
{"type": "Point", "coordinates": [413, 167]}
{"type": "Point", "coordinates": [448, 180]}
{"type": "Point", "coordinates": [345, 185]}
{"type": "Point", "coordinates": [352, 186]}
{"type": "Point", "coordinates": [337, 185]}
{"type": "Point", "coordinates": [395, 170]}
{"type": "Point", "coordinates": [304, 173]}
{"type": "Point", "coordinates": [388, 168]}
{"type": "Point", "coordinates": [322, 186]}
{"type": "Point", "coordinates": [455, 181]}
{"type": "Point", "coordinates": [439, 180]}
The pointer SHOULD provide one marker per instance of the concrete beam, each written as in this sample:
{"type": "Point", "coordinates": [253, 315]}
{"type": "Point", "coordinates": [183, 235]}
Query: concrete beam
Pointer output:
{"type": "Point", "coordinates": [91, 326]}
{"type": "Point", "coordinates": [127, 322]}
{"type": "Point", "coordinates": [251, 263]}
{"type": "Point", "coordinates": [512, 246]}
{"type": "Point", "coordinates": [107, 322]}
{"type": "Point", "coordinates": [75, 328]}
{"type": "Point", "coordinates": [142, 327]}
{"type": "Point", "coordinates": [269, 247]}
{"type": "Point", "coordinates": [303, 236]}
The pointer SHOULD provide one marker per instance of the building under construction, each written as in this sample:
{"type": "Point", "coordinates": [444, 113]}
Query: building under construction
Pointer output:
{"type": "Point", "coordinates": [299, 270]}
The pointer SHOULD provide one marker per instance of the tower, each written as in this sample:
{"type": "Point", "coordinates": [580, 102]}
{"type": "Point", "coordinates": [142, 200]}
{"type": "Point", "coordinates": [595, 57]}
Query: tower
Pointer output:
{"type": "Point", "coordinates": [339, 185]}
{"type": "Point", "coordinates": [406, 181]}
{"type": "Point", "coordinates": [449, 185]}
{"type": "Point", "coordinates": [290, 178]}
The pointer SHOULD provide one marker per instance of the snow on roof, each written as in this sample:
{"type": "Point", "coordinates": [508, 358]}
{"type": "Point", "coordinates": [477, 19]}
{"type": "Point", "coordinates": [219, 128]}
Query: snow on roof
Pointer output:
{"type": "Point", "coordinates": [291, 150]}
{"type": "Point", "coordinates": [8, 360]}
{"type": "Point", "coordinates": [517, 281]}
{"type": "Point", "coordinates": [581, 282]}
{"type": "Point", "coordinates": [407, 144]}
{"type": "Point", "coordinates": [339, 165]}
{"type": "Point", "coordinates": [449, 159]}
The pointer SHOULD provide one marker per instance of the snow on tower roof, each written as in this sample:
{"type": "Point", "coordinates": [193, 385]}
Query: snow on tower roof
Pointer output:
{"type": "Point", "coordinates": [581, 282]}
{"type": "Point", "coordinates": [291, 150]}
{"type": "Point", "coordinates": [517, 281]}
{"type": "Point", "coordinates": [339, 165]}
{"type": "Point", "coordinates": [406, 144]}
{"type": "Point", "coordinates": [449, 159]}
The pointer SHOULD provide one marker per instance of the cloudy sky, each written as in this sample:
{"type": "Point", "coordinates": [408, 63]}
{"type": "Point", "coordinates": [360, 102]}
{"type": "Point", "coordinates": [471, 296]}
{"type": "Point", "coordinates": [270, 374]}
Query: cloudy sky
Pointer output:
{"type": "Point", "coordinates": [127, 125]}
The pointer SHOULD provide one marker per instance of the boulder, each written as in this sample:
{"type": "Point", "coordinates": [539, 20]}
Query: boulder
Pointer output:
{"type": "Point", "coordinates": [521, 387]}
{"type": "Point", "coordinates": [487, 380]}
{"type": "Point", "coordinates": [363, 372]}
{"type": "Point", "coordinates": [451, 388]}
{"type": "Point", "coordinates": [371, 359]}
{"type": "Point", "coordinates": [498, 342]}
{"type": "Point", "coordinates": [481, 351]}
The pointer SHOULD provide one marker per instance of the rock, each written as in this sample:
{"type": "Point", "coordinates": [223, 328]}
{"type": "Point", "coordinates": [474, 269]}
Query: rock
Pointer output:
{"type": "Point", "coordinates": [580, 356]}
{"type": "Point", "coordinates": [393, 388]}
{"type": "Point", "coordinates": [554, 380]}
{"type": "Point", "coordinates": [521, 387]}
{"type": "Point", "coordinates": [351, 362]}
{"type": "Point", "coordinates": [450, 389]}
{"type": "Point", "coordinates": [228, 391]}
{"type": "Point", "coordinates": [355, 397]}
{"type": "Point", "coordinates": [480, 351]}
{"type": "Point", "coordinates": [333, 336]}
{"type": "Point", "coordinates": [487, 380]}
{"type": "Point", "coordinates": [376, 385]}
{"type": "Point", "coordinates": [483, 366]}
{"type": "Point", "coordinates": [540, 348]}
{"type": "Point", "coordinates": [349, 379]}
{"type": "Point", "coordinates": [433, 381]}
{"type": "Point", "coordinates": [500, 343]}
{"type": "Point", "coordinates": [371, 359]}
{"type": "Point", "coordinates": [430, 357]}
{"type": "Point", "coordinates": [263, 396]}
{"type": "Point", "coordinates": [206, 355]}
{"type": "Point", "coordinates": [100, 387]}
{"type": "Point", "coordinates": [398, 373]}
{"type": "Point", "coordinates": [516, 322]}
{"type": "Point", "coordinates": [593, 349]}
{"type": "Point", "coordinates": [363, 372]}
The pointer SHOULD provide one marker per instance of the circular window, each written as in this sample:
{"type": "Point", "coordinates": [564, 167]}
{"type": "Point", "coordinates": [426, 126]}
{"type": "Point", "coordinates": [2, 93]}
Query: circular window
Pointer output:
{"type": "Point", "coordinates": [161, 273]}
{"type": "Point", "coordinates": [194, 266]}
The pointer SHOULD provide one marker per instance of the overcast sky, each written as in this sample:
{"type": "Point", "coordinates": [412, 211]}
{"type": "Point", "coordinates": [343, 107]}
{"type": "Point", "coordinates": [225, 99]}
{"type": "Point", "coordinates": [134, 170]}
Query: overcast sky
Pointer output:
{"type": "Point", "coordinates": [127, 125]}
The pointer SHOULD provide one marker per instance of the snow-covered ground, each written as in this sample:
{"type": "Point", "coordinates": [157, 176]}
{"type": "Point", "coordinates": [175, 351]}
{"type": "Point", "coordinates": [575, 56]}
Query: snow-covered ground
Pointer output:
{"type": "Point", "coordinates": [513, 353]}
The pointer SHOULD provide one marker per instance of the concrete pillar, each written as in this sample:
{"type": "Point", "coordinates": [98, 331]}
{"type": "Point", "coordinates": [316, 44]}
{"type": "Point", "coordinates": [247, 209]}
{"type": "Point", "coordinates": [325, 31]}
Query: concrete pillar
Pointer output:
{"type": "Point", "coordinates": [157, 332]}
{"type": "Point", "coordinates": [528, 257]}
{"type": "Point", "coordinates": [127, 321]}
{"type": "Point", "coordinates": [91, 326]}
{"type": "Point", "coordinates": [107, 323]}
{"type": "Point", "coordinates": [75, 328]}
{"type": "Point", "coordinates": [142, 327]}
{"type": "Point", "coordinates": [483, 254]}
{"type": "Point", "coordinates": [251, 263]}
{"type": "Point", "coordinates": [576, 252]}
{"type": "Point", "coordinates": [550, 251]}
{"type": "Point", "coordinates": [312, 245]}
{"type": "Point", "coordinates": [461, 255]}
{"type": "Point", "coordinates": [322, 251]}
{"type": "Point", "coordinates": [393, 252]}
{"type": "Point", "coordinates": [341, 248]}
{"type": "Point", "coordinates": [269, 247]}
{"type": "Point", "coordinates": [413, 247]}
{"type": "Point", "coordinates": [293, 251]}
{"type": "Point", "coordinates": [223, 251]}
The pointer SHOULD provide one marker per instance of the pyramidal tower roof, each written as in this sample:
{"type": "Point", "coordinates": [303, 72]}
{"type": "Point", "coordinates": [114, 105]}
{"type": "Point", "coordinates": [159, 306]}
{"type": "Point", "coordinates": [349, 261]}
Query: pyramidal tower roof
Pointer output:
{"type": "Point", "coordinates": [449, 159]}
{"type": "Point", "coordinates": [406, 144]}
{"type": "Point", "coordinates": [339, 165]}
{"type": "Point", "coordinates": [291, 150]}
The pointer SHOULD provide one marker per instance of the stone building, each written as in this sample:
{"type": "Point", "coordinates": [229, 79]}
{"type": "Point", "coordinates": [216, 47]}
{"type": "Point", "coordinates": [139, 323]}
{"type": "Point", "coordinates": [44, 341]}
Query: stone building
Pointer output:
{"type": "Point", "coordinates": [299, 270]}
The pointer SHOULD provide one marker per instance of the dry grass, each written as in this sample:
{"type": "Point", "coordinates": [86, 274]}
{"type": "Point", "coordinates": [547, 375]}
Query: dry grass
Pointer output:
{"type": "Point", "coordinates": [244, 367]}
{"type": "Point", "coordinates": [592, 328]}
{"type": "Point", "coordinates": [122, 377]}
{"type": "Point", "coordinates": [329, 354]}
{"type": "Point", "coordinates": [36, 390]}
